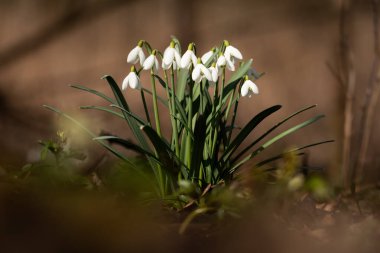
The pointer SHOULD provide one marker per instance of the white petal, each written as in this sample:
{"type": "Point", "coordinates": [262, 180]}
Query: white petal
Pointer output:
{"type": "Point", "coordinates": [244, 90]}
{"type": "Point", "coordinates": [253, 87]}
{"type": "Point", "coordinates": [125, 82]}
{"type": "Point", "coordinates": [221, 61]}
{"type": "Point", "coordinates": [207, 56]}
{"type": "Point", "coordinates": [235, 52]}
{"type": "Point", "coordinates": [194, 59]}
{"type": "Point", "coordinates": [141, 56]}
{"type": "Point", "coordinates": [186, 58]}
{"type": "Point", "coordinates": [164, 66]}
{"type": "Point", "coordinates": [214, 73]}
{"type": "Point", "coordinates": [205, 72]}
{"type": "Point", "coordinates": [177, 57]}
{"type": "Point", "coordinates": [196, 74]}
{"type": "Point", "coordinates": [231, 64]}
{"type": "Point", "coordinates": [149, 62]}
{"type": "Point", "coordinates": [248, 88]}
{"type": "Point", "coordinates": [134, 81]}
{"type": "Point", "coordinates": [156, 64]}
{"type": "Point", "coordinates": [133, 55]}
{"type": "Point", "coordinates": [227, 52]}
{"type": "Point", "coordinates": [168, 55]}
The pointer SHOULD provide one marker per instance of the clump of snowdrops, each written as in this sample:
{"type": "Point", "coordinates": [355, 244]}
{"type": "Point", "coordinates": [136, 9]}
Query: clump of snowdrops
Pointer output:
{"type": "Point", "coordinates": [202, 92]}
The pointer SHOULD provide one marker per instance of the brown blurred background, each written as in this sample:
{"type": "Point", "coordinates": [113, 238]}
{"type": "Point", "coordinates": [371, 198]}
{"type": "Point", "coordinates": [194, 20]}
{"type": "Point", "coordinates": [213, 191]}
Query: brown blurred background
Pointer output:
{"type": "Point", "coordinates": [47, 45]}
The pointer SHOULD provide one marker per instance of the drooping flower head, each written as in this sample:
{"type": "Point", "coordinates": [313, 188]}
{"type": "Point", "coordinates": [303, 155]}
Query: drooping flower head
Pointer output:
{"type": "Point", "coordinates": [189, 57]}
{"type": "Point", "coordinates": [151, 62]}
{"type": "Point", "coordinates": [231, 53]}
{"type": "Point", "coordinates": [248, 88]}
{"type": "Point", "coordinates": [171, 57]}
{"type": "Point", "coordinates": [132, 80]}
{"type": "Point", "coordinates": [200, 72]}
{"type": "Point", "coordinates": [137, 54]}
{"type": "Point", "coordinates": [221, 62]}
{"type": "Point", "coordinates": [208, 56]}
{"type": "Point", "coordinates": [214, 72]}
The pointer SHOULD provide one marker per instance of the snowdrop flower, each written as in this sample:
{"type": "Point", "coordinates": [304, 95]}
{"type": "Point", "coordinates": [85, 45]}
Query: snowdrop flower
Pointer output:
{"type": "Point", "coordinates": [214, 72]}
{"type": "Point", "coordinates": [189, 57]}
{"type": "Point", "coordinates": [132, 80]}
{"type": "Point", "coordinates": [221, 61]}
{"type": "Point", "coordinates": [207, 56]}
{"type": "Point", "coordinates": [231, 53]}
{"type": "Point", "coordinates": [200, 72]}
{"type": "Point", "coordinates": [137, 54]}
{"type": "Point", "coordinates": [151, 62]}
{"type": "Point", "coordinates": [249, 88]}
{"type": "Point", "coordinates": [171, 57]}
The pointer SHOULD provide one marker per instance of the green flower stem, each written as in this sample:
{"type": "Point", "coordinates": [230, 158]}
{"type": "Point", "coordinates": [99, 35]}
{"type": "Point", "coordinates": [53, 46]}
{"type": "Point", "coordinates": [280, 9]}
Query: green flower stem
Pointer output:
{"type": "Point", "coordinates": [230, 104]}
{"type": "Point", "coordinates": [220, 108]}
{"type": "Point", "coordinates": [155, 107]}
{"type": "Point", "coordinates": [222, 90]}
{"type": "Point", "coordinates": [145, 107]}
{"type": "Point", "coordinates": [174, 112]}
{"type": "Point", "coordinates": [233, 119]}
{"type": "Point", "coordinates": [169, 105]}
{"type": "Point", "coordinates": [210, 136]}
{"type": "Point", "coordinates": [158, 129]}
{"type": "Point", "coordinates": [190, 126]}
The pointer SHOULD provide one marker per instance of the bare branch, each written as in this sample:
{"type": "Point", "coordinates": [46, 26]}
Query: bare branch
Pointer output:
{"type": "Point", "coordinates": [348, 76]}
{"type": "Point", "coordinates": [370, 102]}
{"type": "Point", "coordinates": [75, 15]}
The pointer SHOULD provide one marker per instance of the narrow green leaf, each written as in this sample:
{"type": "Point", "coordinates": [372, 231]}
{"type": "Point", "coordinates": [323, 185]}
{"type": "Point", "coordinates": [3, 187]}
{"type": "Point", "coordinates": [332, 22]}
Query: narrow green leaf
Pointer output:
{"type": "Point", "coordinates": [181, 83]}
{"type": "Point", "coordinates": [241, 71]}
{"type": "Point", "coordinates": [136, 117]}
{"type": "Point", "coordinates": [132, 123]}
{"type": "Point", "coordinates": [126, 144]}
{"type": "Point", "coordinates": [247, 129]}
{"type": "Point", "coordinates": [276, 138]}
{"type": "Point", "coordinates": [83, 88]}
{"type": "Point", "coordinates": [274, 158]}
{"type": "Point", "coordinates": [271, 130]}
{"type": "Point", "coordinates": [162, 148]}
{"type": "Point", "coordinates": [163, 83]}
{"type": "Point", "coordinates": [291, 130]}
{"type": "Point", "coordinates": [163, 101]}
{"type": "Point", "coordinates": [181, 110]}
{"type": "Point", "coordinates": [184, 125]}
{"type": "Point", "coordinates": [199, 143]}
{"type": "Point", "coordinates": [102, 108]}
{"type": "Point", "coordinates": [123, 103]}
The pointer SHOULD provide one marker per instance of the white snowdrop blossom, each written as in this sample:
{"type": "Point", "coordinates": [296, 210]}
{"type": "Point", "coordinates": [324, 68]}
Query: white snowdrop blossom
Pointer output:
{"type": "Point", "coordinates": [188, 57]}
{"type": "Point", "coordinates": [151, 62]}
{"type": "Point", "coordinates": [207, 56]}
{"type": "Point", "coordinates": [200, 72]}
{"type": "Point", "coordinates": [231, 53]}
{"type": "Point", "coordinates": [171, 57]}
{"type": "Point", "coordinates": [132, 80]}
{"type": "Point", "coordinates": [214, 73]}
{"type": "Point", "coordinates": [221, 62]}
{"type": "Point", "coordinates": [248, 88]}
{"type": "Point", "coordinates": [137, 54]}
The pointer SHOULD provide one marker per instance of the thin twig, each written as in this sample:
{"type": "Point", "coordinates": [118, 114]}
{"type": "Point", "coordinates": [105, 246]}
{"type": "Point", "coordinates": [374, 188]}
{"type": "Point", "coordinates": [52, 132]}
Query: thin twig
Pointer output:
{"type": "Point", "coordinates": [76, 13]}
{"type": "Point", "coordinates": [348, 76]}
{"type": "Point", "coordinates": [370, 102]}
